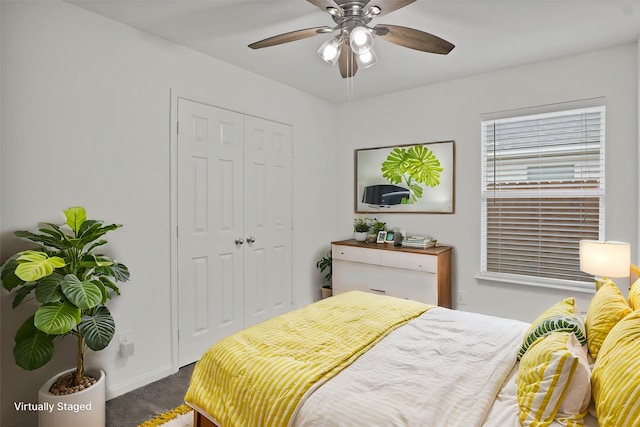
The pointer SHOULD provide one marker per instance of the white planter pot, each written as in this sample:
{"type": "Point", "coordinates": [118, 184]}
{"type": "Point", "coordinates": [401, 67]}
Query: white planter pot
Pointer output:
{"type": "Point", "coordinates": [360, 236]}
{"type": "Point", "coordinates": [85, 408]}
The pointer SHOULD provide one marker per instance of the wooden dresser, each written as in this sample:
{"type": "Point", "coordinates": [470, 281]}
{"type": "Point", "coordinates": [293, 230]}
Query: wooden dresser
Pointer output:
{"type": "Point", "coordinates": [418, 274]}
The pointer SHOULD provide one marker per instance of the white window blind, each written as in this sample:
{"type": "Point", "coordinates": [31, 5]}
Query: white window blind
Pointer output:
{"type": "Point", "coordinates": [542, 192]}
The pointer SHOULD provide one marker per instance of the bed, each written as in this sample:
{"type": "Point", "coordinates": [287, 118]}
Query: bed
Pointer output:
{"type": "Point", "coordinates": [360, 359]}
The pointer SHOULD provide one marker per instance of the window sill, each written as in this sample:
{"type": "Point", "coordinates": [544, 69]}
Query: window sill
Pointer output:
{"type": "Point", "coordinates": [585, 287]}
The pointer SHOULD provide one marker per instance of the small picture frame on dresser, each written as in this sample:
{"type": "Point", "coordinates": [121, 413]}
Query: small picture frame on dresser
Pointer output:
{"type": "Point", "coordinates": [381, 236]}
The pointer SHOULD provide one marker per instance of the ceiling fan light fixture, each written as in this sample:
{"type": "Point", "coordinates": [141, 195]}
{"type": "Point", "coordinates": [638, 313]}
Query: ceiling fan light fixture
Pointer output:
{"type": "Point", "coordinates": [353, 47]}
{"type": "Point", "coordinates": [361, 40]}
{"type": "Point", "coordinates": [330, 50]}
{"type": "Point", "coordinates": [367, 59]}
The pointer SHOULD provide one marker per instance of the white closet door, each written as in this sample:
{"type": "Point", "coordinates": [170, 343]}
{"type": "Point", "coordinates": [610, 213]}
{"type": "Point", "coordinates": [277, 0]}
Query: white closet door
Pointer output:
{"type": "Point", "coordinates": [267, 219]}
{"type": "Point", "coordinates": [210, 219]}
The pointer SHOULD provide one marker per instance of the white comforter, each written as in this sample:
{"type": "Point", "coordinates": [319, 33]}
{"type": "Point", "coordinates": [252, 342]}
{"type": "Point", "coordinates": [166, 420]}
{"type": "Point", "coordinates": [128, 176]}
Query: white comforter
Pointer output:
{"type": "Point", "coordinates": [444, 368]}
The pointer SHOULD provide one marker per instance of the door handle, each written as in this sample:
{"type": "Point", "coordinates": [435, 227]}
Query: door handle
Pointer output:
{"type": "Point", "coordinates": [251, 239]}
{"type": "Point", "coordinates": [239, 241]}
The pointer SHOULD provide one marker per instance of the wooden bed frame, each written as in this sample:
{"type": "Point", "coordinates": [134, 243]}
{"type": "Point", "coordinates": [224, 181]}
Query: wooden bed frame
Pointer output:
{"type": "Point", "coordinates": [200, 420]}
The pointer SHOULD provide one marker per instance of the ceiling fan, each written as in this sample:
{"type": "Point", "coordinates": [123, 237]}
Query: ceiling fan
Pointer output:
{"type": "Point", "coordinates": [352, 48]}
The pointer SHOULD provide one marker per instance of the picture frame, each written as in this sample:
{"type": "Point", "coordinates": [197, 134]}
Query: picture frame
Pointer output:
{"type": "Point", "coordinates": [410, 178]}
{"type": "Point", "coordinates": [382, 235]}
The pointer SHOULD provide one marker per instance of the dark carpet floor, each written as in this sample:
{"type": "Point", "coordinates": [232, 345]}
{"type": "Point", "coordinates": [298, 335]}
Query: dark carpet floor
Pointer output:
{"type": "Point", "coordinates": [139, 405]}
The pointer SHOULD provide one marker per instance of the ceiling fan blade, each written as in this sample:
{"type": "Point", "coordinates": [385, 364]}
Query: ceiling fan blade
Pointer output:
{"type": "Point", "coordinates": [386, 6]}
{"type": "Point", "coordinates": [290, 37]}
{"type": "Point", "coordinates": [413, 39]}
{"type": "Point", "coordinates": [325, 4]}
{"type": "Point", "coordinates": [347, 61]}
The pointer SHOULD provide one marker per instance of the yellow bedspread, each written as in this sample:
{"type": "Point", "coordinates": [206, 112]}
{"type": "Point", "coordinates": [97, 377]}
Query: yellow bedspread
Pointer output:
{"type": "Point", "coordinates": [257, 377]}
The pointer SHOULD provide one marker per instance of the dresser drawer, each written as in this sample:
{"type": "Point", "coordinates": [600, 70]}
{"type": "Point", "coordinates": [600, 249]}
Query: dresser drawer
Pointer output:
{"type": "Point", "coordinates": [421, 275]}
{"type": "Point", "coordinates": [409, 261]}
{"type": "Point", "coordinates": [349, 253]}
{"type": "Point", "coordinates": [400, 283]}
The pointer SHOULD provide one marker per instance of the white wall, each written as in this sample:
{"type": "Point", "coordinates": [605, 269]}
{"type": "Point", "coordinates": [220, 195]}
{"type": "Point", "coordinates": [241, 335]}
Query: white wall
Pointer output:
{"type": "Point", "coordinates": [452, 110]}
{"type": "Point", "coordinates": [86, 104]}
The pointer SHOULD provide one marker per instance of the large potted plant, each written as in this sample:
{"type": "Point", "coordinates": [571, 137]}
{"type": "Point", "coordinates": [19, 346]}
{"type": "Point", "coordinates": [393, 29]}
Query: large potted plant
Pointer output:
{"type": "Point", "coordinates": [70, 284]}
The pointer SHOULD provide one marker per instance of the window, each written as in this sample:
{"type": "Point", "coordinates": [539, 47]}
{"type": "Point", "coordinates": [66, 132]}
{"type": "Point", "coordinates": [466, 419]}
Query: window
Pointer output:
{"type": "Point", "coordinates": [542, 192]}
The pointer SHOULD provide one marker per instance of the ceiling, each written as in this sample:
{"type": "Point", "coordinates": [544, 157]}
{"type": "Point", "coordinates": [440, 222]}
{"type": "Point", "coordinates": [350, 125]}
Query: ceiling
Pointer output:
{"type": "Point", "coordinates": [488, 34]}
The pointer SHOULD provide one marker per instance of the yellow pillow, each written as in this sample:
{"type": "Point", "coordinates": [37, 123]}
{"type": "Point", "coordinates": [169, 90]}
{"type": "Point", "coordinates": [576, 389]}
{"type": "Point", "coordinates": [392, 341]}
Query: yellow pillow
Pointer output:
{"type": "Point", "coordinates": [634, 295]}
{"type": "Point", "coordinates": [553, 382]}
{"type": "Point", "coordinates": [606, 309]}
{"type": "Point", "coordinates": [563, 316]}
{"type": "Point", "coordinates": [616, 375]}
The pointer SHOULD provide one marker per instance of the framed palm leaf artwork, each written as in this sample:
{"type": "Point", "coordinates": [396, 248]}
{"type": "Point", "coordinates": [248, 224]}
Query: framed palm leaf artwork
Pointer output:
{"type": "Point", "coordinates": [414, 178]}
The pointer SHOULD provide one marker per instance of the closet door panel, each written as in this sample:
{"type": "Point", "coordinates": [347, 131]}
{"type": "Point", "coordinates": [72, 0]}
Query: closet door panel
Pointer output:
{"type": "Point", "coordinates": [210, 264]}
{"type": "Point", "coordinates": [267, 219]}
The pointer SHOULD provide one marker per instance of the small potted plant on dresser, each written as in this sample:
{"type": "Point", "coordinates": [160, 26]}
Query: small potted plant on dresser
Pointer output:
{"type": "Point", "coordinates": [376, 228]}
{"type": "Point", "coordinates": [71, 284]}
{"type": "Point", "coordinates": [325, 264]}
{"type": "Point", "coordinates": [361, 228]}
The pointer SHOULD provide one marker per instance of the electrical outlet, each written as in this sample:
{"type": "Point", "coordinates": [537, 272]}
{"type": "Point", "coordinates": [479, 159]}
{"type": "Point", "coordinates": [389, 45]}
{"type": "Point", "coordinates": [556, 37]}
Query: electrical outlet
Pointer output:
{"type": "Point", "coordinates": [462, 298]}
{"type": "Point", "coordinates": [126, 343]}
{"type": "Point", "coordinates": [125, 336]}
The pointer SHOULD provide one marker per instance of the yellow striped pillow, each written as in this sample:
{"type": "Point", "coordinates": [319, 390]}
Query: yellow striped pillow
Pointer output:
{"type": "Point", "coordinates": [606, 309]}
{"type": "Point", "coordinates": [616, 375]}
{"type": "Point", "coordinates": [634, 295]}
{"type": "Point", "coordinates": [553, 382]}
{"type": "Point", "coordinates": [563, 316]}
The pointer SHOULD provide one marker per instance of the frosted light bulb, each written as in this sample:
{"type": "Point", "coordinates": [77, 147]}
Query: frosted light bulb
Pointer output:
{"type": "Point", "coordinates": [361, 40]}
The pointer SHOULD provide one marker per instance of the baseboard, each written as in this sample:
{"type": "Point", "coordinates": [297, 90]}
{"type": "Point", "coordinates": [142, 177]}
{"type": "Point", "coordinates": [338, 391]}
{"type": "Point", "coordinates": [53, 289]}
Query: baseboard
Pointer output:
{"type": "Point", "coordinates": [139, 381]}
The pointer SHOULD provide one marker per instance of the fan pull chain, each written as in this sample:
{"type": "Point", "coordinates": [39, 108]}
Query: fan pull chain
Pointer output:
{"type": "Point", "coordinates": [350, 92]}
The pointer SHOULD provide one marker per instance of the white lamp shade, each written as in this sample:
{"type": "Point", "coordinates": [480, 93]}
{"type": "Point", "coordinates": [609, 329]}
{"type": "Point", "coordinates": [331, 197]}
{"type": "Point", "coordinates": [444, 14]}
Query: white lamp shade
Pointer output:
{"type": "Point", "coordinates": [605, 259]}
{"type": "Point", "coordinates": [366, 59]}
{"type": "Point", "coordinates": [361, 40]}
{"type": "Point", "coordinates": [330, 50]}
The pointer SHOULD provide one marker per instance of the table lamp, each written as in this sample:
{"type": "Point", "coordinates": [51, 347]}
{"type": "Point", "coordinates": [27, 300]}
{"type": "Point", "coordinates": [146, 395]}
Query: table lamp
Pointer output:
{"type": "Point", "coordinates": [605, 258]}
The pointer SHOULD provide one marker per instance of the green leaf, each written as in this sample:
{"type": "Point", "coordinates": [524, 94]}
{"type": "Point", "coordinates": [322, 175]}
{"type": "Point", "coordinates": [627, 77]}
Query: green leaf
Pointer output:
{"type": "Point", "coordinates": [423, 166]}
{"type": "Point", "coordinates": [75, 217]}
{"type": "Point", "coordinates": [103, 290]}
{"type": "Point", "coordinates": [43, 240]}
{"type": "Point", "coordinates": [60, 239]}
{"type": "Point", "coordinates": [34, 265]}
{"type": "Point", "coordinates": [109, 284]}
{"type": "Point", "coordinates": [26, 330]}
{"type": "Point", "coordinates": [393, 168]}
{"type": "Point", "coordinates": [98, 330]}
{"type": "Point", "coordinates": [96, 244]}
{"type": "Point", "coordinates": [95, 232]}
{"type": "Point", "coordinates": [8, 275]}
{"type": "Point", "coordinates": [33, 348]}
{"type": "Point", "coordinates": [57, 318]}
{"type": "Point", "coordinates": [120, 272]}
{"type": "Point", "coordinates": [91, 260]}
{"type": "Point", "coordinates": [416, 192]}
{"type": "Point", "coordinates": [22, 293]}
{"type": "Point", "coordinates": [48, 289]}
{"type": "Point", "coordinates": [89, 226]}
{"type": "Point", "coordinates": [83, 295]}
